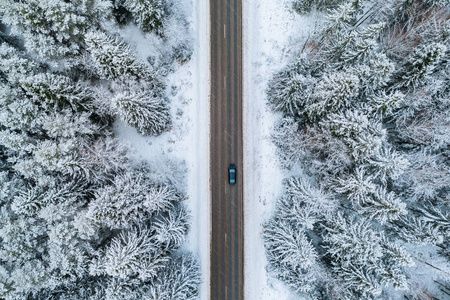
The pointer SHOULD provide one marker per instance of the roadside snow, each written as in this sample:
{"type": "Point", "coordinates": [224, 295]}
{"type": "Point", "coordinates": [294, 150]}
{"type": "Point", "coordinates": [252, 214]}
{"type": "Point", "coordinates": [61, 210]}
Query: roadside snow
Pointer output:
{"type": "Point", "coordinates": [188, 140]}
{"type": "Point", "coordinates": [269, 30]}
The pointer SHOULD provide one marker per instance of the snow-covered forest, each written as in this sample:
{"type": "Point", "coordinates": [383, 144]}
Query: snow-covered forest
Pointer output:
{"type": "Point", "coordinates": [366, 118]}
{"type": "Point", "coordinates": [79, 218]}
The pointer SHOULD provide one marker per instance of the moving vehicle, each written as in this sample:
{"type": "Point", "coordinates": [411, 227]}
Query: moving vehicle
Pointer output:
{"type": "Point", "coordinates": [232, 174]}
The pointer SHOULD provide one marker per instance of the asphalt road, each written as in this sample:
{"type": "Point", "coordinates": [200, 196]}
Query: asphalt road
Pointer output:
{"type": "Point", "coordinates": [227, 224]}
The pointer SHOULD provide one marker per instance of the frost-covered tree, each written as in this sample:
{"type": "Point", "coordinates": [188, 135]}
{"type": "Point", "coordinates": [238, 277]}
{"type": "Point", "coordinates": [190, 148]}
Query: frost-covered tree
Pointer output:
{"type": "Point", "coordinates": [15, 64]}
{"type": "Point", "coordinates": [383, 206]}
{"type": "Point", "coordinates": [114, 59]}
{"type": "Point", "coordinates": [180, 279]}
{"type": "Point", "coordinates": [291, 255]}
{"type": "Point", "coordinates": [332, 93]}
{"type": "Point", "coordinates": [362, 259]}
{"type": "Point", "coordinates": [305, 6]}
{"type": "Point", "coordinates": [56, 91]}
{"type": "Point", "coordinates": [422, 63]}
{"type": "Point", "coordinates": [131, 198]}
{"type": "Point", "coordinates": [365, 114]}
{"type": "Point", "coordinates": [150, 15]}
{"type": "Point", "coordinates": [76, 220]}
{"type": "Point", "coordinates": [134, 252]}
{"type": "Point", "coordinates": [289, 91]}
{"type": "Point", "coordinates": [387, 164]}
{"type": "Point", "coordinates": [54, 29]}
{"type": "Point", "coordinates": [144, 110]}
{"type": "Point", "coordinates": [362, 136]}
{"type": "Point", "coordinates": [385, 104]}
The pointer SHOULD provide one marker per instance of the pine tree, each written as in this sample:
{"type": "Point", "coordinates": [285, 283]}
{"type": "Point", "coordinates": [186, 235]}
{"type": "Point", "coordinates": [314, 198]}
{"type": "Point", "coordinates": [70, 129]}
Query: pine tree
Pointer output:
{"type": "Point", "coordinates": [289, 91]}
{"type": "Point", "coordinates": [131, 199]}
{"type": "Point", "coordinates": [18, 112]}
{"type": "Point", "coordinates": [385, 104]}
{"type": "Point", "coordinates": [114, 60]}
{"type": "Point", "coordinates": [134, 252]}
{"type": "Point", "coordinates": [333, 92]}
{"type": "Point", "coordinates": [179, 279]}
{"type": "Point", "coordinates": [422, 63]}
{"type": "Point", "coordinates": [22, 238]}
{"type": "Point", "coordinates": [362, 258]}
{"type": "Point", "coordinates": [53, 29]}
{"type": "Point", "coordinates": [362, 137]}
{"type": "Point", "coordinates": [150, 15]}
{"type": "Point", "coordinates": [303, 204]}
{"type": "Point", "coordinates": [144, 110]}
{"type": "Point", "coordinates": [67, 125]}
{"type": "Point", "coordinates": [171, 228]}
{"type": "Point", "coordinates": [290, 142]}
{"type": "Point", "coordinates": [57, 91]}
{"type": "Point", "coordinates": [338, 19]}
{"type": "Point", "coordinates": [383, 206]}
{"type": "Point", "coordinates": [15, 64]}
{"type": "Point", "coordinates": [387, 164]}
{"type": "Point", "coordinates": [415, 230]}
{"type": "Point", "coordinates": [291, 255]}
{"type": "Point", "coordinates": [68, 254]}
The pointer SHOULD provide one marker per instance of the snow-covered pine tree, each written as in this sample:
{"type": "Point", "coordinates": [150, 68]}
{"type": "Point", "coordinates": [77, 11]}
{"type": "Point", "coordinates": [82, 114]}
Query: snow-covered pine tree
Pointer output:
{"type": "Point", "coordinates": [385, 104]}
{"type": "Point", "coordinates": [416, 230]}
{"type": "Point", "coordinates": [305, 6]}
{"type": "Point", "coordinates": [291, 255]}
{"type": "Point", "coordinates": [179, 279]}
{"type": "Point", "coordinates": [133, 253]}
{"type": "Point", "coordinates": [383, 206]}
{"type": "Point", "coordinates": [303, 204]}
{"type": "Point", "coordinates": [150, 15]}
{"type": "Point", "coordinates": [361, 257]}
{"type": "Point", "coordinates": [15, 64]}
{"type": "Point", "coordinates": [18, 112]}
{"type": "Point", "coordinates": [68, 253]}
{"type": "Point", "coordinates": [356, 186]}
{"type": "Point", "coordinates": [375, 73]}
{"type": "Point", "coordinates": [54, 29]}
{"type": "Point", "coordinates": [333, 92]}
{"type": "Point", "coordinates": [114, 60]}
{"type": "Point", "coordinates": [171, 228]}
{"type": "Point", "coordinates": [363, 137]}
{"type": "Point", "coordinates": [422, 63]}
{"type": "Point", "coordinates": [338, 19]}
{"type": "Point", "coordinates": [57, 91]}
{"type": "Point", "coordinates": [289, 91]}
{"type": "Point", "coordinates": [144, 110]}
{"type": "Point", "coordinates": [387, 164]}
{"type": "Point", "coordinates": [130, 199]}
{"type": "Point", "coordinates": [290, 142]}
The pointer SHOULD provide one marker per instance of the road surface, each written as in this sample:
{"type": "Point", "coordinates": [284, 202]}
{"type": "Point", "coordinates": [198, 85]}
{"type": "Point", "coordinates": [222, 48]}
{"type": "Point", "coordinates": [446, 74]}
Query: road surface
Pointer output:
{"type": "Point", "coordinates": [227, 224]}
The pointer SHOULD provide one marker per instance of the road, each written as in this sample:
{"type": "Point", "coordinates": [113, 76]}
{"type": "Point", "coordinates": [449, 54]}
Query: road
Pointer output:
{"type": "Point", "coordinates": [227, 224]}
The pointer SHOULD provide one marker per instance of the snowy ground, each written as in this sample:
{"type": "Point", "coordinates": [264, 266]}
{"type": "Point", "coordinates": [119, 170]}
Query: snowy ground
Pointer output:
{"type": "Point", "coordinates": [269, 30]}
{"type": "Point", "coordinates": [188, 140]}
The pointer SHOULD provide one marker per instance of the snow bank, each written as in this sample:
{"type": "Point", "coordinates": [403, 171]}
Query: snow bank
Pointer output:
{"type": "Point", "coordinates": [269, 30]}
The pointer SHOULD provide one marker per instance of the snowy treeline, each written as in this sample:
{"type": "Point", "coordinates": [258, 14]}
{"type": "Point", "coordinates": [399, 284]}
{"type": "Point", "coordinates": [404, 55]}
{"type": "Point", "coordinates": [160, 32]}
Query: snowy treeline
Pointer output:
{"type": "Point", "coordinates": [79, 219]}
{"type": "Point", "coordinates": [366, 114]}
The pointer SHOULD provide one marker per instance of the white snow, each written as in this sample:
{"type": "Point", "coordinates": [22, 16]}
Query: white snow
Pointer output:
{"type": "Point", "coordinates": [188, 140]}
{"type": "Point", "coordinates": [272, 34]}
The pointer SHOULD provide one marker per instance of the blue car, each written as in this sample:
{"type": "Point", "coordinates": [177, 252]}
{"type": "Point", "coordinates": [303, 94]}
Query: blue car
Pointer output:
{"type": "Point", "coordinates": [232, 174]}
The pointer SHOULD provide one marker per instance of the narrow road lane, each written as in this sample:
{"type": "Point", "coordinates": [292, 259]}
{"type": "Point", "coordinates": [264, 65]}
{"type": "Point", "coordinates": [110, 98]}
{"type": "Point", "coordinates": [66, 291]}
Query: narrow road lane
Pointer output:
{"type": "Point", "coordinates": [227, 243]}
